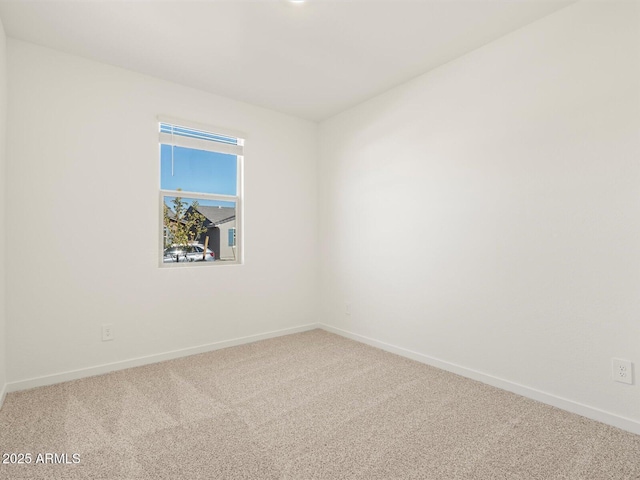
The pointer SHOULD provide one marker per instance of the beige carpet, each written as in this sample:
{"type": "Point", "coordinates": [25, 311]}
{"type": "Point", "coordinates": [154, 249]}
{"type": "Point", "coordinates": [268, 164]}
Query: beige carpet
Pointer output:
{"type": "Point", "coordinates": [304, 406]}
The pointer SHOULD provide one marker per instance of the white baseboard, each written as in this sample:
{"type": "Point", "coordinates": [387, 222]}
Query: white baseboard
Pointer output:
{"type": "Point", "coordinates": [3, 394]}
{"type": "Point", "coordinates": [547, 398]}
{"type": "Point", "coordinates": [146, 360]}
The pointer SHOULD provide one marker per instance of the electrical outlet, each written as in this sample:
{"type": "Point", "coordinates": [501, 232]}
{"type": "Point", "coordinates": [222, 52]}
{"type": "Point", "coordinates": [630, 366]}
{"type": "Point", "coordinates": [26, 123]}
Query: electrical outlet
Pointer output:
{"type": "Point", "coordinates": [347, 308]}
{"type": "Point", "coordinates": [622, 370]}
{"type": "Point", "coordinates": [107, 332]}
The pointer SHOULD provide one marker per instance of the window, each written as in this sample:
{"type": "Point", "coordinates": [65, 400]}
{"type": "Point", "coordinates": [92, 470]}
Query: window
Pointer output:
{"type": "Point", "coordinates": [200, 194]}
{"type": "Point", "coordinates": [232, 237]}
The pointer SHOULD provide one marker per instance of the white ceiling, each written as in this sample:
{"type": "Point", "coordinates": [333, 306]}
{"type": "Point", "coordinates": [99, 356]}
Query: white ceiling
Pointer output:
{"type": "Point", "coordinates": [311, 60]}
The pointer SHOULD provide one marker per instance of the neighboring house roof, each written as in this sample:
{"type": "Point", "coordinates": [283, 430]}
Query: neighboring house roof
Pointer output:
{"type": "Point", "coordinates": [172, 216]}
{"type": "Point", "coordinates": [217, 215]}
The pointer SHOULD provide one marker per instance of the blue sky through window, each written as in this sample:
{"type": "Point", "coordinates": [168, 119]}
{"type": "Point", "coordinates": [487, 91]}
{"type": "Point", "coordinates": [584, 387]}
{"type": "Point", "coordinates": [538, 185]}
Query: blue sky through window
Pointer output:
{"type": "Point", "coordinates": [198, 171]}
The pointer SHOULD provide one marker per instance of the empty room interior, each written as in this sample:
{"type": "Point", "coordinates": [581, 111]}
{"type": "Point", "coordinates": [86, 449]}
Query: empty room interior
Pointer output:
{"type": "Point", "coordinates": [320, 239]}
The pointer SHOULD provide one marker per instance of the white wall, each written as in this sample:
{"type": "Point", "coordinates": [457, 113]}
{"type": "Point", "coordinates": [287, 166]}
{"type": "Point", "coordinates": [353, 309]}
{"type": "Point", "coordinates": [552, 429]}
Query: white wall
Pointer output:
{"type": "Point", "coordinates": [83, 222]}
{"type": "Point", "coordinates": [3, 118]}
{"type": "Point", "coordinates": [514, 172]}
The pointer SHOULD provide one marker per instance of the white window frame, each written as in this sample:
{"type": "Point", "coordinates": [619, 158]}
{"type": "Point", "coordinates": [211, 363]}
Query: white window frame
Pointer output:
{"type": "Point", "coordinates": [211, 146]}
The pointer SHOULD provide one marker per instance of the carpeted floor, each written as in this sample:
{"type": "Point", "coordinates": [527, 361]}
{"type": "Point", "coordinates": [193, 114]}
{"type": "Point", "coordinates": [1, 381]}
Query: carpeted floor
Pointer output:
{"type": "Point", "coordinates": [304, 406]}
